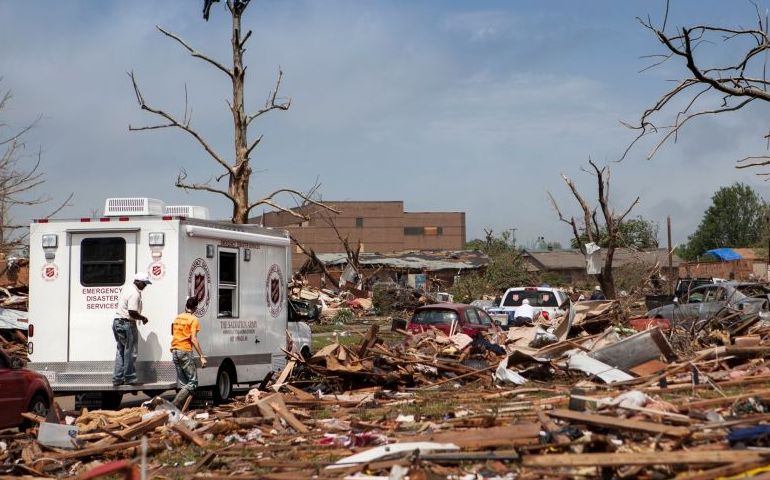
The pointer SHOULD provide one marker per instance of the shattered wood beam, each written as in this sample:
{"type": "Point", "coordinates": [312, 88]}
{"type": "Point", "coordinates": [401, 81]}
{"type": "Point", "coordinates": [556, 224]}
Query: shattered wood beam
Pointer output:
{"type": "Point", "coordinates": [620, 423]}
{"type": "Point", "coordinates": [369, 340]}
{"type": "Point", "coordinates": [676, 457]}
{"type": "Point", "coordinates": [87, 452]}
{"type": "Point", "coordinates": [188, 434]}
{"type": "Point", "coordinates": [279, 407]}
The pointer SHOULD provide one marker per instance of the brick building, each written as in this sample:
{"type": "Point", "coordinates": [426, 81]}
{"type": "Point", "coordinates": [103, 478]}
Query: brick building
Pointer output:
{"type": "Point", "coordinates": [379, 226]}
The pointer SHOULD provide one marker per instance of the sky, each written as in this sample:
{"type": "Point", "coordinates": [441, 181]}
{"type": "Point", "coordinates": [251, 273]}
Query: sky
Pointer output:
{"type": "Point", "coordinates": [475, 106]}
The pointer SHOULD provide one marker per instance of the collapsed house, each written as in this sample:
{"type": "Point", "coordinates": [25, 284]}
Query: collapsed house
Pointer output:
{"type": "Point", "coordinates": [422, 270]}
{"type": "Point", "coordinates": [570, 265]}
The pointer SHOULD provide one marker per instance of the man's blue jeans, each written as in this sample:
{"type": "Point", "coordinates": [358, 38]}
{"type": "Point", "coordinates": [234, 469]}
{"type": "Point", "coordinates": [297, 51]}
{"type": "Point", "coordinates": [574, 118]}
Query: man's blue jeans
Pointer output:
{"type": "Point", "coordinates": [127, 337]}
{"type": "Point", "coordinates": [186, 371]}
{"type": "Point", "coordinates": [186, 375]}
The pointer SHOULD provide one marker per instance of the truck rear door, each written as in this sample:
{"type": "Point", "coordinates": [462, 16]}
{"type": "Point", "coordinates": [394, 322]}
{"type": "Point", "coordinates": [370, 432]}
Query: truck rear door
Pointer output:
{"type": "Point", "coordinates": [102, 264]}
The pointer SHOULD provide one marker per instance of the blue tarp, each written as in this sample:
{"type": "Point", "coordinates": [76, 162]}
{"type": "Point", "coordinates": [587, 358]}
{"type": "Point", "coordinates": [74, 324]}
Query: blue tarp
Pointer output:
{"type": "Point", "coordinates": [725, 254]}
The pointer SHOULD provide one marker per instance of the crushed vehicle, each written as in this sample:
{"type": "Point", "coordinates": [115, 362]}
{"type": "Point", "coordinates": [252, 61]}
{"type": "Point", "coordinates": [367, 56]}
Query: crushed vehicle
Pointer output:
{"type": "Point", "coordinates": [549, 302]}
{"type": "Point", "coordinates": [450, 318]}
{"type": "Point", "coordinates": [732, 301]}
{"type": "Point", "coordinates": [682, 288]}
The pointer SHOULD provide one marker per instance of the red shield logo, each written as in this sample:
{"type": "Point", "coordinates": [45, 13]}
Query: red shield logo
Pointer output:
{"type": "Point", "coordinates": [200, 287]}
{"type": "Point", "coordinates": [50, 272]}
{"type": "Point", "coordinates": [156, 270]}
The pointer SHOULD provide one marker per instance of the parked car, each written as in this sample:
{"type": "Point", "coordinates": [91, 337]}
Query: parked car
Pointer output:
{"type": "Point", "coordinates": [703, 303]}
{"type": "Point", "coordinates": [21, 390]}
{"type": "Point", "coordinates": [547, 300]}
{"type": "Point", "coordinates": [468, 319]}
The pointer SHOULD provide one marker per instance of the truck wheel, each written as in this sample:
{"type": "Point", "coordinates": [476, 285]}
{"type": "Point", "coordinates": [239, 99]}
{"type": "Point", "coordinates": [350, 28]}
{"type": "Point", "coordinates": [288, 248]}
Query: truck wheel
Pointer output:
{"type": "Point", "coordinates": [39, 405]}
{"type": "Point", "coordinates": [111, 400]}
{"type": "Point", "coordinates": [224, 386]}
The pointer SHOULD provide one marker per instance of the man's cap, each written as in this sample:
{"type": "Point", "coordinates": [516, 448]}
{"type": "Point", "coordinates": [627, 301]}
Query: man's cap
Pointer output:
{"type": "Point", "coordinates": [597, 288]}
{"type": "Point", "coordinates": [142, 277]}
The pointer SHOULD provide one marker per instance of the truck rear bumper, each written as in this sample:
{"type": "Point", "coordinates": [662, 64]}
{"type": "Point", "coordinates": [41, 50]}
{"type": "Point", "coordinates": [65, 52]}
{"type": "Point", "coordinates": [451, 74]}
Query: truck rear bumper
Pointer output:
{"type": "Point", "coordinates": [97, 376]}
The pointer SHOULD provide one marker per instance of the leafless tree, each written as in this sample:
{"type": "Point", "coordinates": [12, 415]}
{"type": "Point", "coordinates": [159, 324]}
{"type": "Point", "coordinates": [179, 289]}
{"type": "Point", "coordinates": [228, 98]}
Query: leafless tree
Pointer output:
{"type": "Point", "coordinates": [707, 89]}
{"type": "Point", "coordinates": [237, 170]}
{"type": "Point", "coordinates": [591, 223]}
{"type": "Point", "coordinates": [20, 177]}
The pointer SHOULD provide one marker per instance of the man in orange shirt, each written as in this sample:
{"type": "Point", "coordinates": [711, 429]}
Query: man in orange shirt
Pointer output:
{"type": "Point", "coordinates": [184, 331]}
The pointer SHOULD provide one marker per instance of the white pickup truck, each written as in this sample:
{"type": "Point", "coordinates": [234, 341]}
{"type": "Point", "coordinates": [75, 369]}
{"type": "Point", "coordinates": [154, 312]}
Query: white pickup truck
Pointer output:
{"type": "Point", "coordinates": [544, 299]}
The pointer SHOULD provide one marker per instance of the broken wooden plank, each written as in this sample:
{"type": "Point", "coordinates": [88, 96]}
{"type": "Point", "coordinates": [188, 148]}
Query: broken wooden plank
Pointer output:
{"type": "Point", "coordinates": [35, 418]}
{"type": "Point", "coordinates": [87, 452]}
{"type": "Point", "coordinates": [713, 402]}
{"type": "Point", "coordinates": [517, 434]}
{"type": "Point", "coordinates": [146, 425]}
{"type": "Point", "coordinates": [674, 417]}
{"type": "Point", "coordinates": [284, 375]}
{"type": "Point", "coordinates": [276, 402]}
{"type": "Point", "coordinates": [259, 407]}
{"type": "Point", "coordinates": [620, 423]}
{"type": "Point", "coordinates": [188, 434]}
{"type": "Point", "coordinates": [301, 394]}
{"type": "Point", "coordinates": [648, 368]}
{"type": "Point", "coordinates": [680, 457]}
{"type": "Point", "coordinates": [369, 340]}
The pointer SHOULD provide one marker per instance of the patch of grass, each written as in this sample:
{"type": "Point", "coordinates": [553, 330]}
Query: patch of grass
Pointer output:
{"type": "Point", "coordinates": [320, 341]}
{"type": "Point", "coordinates": [180, 456]}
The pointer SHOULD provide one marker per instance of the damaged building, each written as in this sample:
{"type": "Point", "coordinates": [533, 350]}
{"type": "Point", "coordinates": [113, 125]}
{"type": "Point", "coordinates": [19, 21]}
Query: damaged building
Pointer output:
{"type": "Point", "coordinates": [379, 226]}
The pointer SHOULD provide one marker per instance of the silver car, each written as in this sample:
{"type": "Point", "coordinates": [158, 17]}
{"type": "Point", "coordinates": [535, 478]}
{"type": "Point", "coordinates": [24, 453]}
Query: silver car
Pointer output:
{"type": "Point", "coordinates": [702, 304]}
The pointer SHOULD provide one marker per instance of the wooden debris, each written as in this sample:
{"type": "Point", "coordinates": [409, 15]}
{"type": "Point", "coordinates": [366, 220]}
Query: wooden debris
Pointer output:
{"type": "Point", "coordinates": [700, 457]}
{"type": "Point", "coordinates": [189, 434]}
{"type": "Point", "coordinates": [620, 423]}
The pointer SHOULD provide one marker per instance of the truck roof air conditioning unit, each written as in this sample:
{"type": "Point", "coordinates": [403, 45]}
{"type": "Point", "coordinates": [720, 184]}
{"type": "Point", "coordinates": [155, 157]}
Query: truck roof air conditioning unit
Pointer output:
{"type": "Point", "coordinates": [119, 207]}
{"type": "Point", "coordinates": [188, 211]}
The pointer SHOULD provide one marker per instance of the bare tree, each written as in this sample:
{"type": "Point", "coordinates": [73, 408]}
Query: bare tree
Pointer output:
{"type": "Point", "coordinates": [591, 224]}
{"type": "Point", "coordinates": [238, 170]}
{"type": "Point", "coordinates": [20, 177]}
{"type": "Point", "coordinates": [707, 89]}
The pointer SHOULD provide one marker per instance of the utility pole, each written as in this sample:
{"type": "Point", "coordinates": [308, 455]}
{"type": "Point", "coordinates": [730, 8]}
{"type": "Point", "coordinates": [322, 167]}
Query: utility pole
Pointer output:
{"type": "Point", "coordinates": [670, 259]}
{"type": "Point", "coordinates": [768, 246]}
{"type": "Point", "coordinates": [513, 236]}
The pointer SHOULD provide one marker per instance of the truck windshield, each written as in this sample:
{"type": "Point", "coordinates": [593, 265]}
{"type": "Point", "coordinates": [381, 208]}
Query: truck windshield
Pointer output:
{"type": "Point", "coordinates": [537, 298]}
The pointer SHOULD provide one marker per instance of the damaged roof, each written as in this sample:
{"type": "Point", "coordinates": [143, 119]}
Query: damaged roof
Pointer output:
{"type": "Point", "coordinates": [414, 260]}
{"type": "Point", "coordinates": [573, 259]}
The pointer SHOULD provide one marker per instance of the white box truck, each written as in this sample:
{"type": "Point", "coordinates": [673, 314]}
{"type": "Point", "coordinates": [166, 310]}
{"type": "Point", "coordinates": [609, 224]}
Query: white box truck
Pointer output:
{"type": "Point", "coordinates": [239, 273]}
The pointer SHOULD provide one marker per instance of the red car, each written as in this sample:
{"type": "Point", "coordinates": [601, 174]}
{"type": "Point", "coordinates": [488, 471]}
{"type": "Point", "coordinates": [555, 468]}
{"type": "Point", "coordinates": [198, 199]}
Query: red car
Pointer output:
{"type": "Point", "coordinates": [21, 390]}
{"type": "Point", "coordinates": [468, 319]}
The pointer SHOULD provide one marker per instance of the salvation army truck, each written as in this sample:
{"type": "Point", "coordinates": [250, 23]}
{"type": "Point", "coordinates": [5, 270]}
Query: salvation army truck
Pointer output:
{"type": "Point", "coordinates": [239, 273]}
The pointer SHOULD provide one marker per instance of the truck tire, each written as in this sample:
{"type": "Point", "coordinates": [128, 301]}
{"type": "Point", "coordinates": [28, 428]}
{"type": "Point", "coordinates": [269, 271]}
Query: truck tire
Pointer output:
{"type": "Point", "coordinates": [39, 405]}
{"type": "Point", "coordinates": [223, 388]}
{"type": "Point", "coordinates": [111, 400]}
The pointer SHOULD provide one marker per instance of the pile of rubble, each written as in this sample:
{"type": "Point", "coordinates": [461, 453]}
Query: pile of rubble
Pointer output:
{"type": "Point", "coordinates": [383, 299]}
{"type": "Point", "coordinates": [589, 395]}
